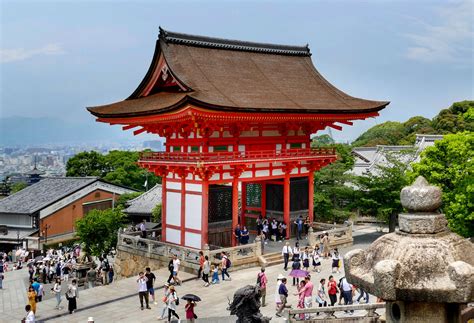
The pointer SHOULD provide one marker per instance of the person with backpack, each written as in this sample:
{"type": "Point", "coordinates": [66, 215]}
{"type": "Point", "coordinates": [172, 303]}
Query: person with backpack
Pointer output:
{"type": "Point", "coordinates": [262, 284]}
{"type": "Point", "coordinates": [104, 270]}
{"type": "Point", "coordinates": [173, 301]}
{"type": "Point", "coordinates": [225, 264]}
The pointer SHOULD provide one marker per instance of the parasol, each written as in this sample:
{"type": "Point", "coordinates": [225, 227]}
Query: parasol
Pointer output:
{"type": "Point", "coordinates": [298, 273]}
{"type": "Point", "coordinates": [191, 297]}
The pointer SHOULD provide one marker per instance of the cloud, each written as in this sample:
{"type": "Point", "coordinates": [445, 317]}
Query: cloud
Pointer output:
{"type": "Point", "coordinates": [449, 40]}
{"type": "Point", "coordinates": [21, 54]}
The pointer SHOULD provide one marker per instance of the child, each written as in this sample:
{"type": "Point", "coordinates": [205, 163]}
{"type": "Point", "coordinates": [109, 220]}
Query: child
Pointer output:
{"type": "Point", "coordinates": [306, 258]}
{"type": "Point", "coordinates": [189, 308]}
{"type": "Point", "coordinates": [215, 274]}
{"type": "Point", "coordinates": [296, 266]}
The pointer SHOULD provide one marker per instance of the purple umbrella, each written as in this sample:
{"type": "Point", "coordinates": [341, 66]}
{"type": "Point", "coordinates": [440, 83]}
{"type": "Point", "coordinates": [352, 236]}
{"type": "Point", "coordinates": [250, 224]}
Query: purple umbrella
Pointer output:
{"type": "Point", "coordinates": [299, 273]}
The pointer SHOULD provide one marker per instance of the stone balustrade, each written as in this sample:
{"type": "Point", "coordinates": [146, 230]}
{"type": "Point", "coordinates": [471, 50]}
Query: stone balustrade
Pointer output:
{"type": "Point", "coordinates": [240, 256]}
{"type": "Point", "coordinates": [338, 237]}
{"type": "Point", "coordinates": [330, 313]}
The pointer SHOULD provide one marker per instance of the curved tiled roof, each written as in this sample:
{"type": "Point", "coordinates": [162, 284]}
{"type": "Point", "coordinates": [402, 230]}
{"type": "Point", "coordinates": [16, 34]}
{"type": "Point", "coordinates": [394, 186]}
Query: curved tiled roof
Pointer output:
{"type": "Point", "coordinates": [228, 75]}
{"type": "Point", "coordinates": [146, 202]}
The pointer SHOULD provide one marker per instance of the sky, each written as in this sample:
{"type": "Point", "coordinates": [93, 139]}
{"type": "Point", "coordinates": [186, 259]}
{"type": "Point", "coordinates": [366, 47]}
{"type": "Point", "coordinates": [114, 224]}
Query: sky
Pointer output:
{"type": "Point", "coordinates": [58, 57]}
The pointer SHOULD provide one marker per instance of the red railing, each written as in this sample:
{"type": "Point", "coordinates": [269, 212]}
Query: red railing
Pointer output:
{"type": "Point", "coordinates": [223, 156]}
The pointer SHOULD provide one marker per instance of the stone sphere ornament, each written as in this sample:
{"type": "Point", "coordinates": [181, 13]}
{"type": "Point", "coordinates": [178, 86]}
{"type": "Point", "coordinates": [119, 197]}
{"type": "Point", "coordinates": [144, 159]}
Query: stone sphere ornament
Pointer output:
{"type": "Point", "coordinates": [421, 196]}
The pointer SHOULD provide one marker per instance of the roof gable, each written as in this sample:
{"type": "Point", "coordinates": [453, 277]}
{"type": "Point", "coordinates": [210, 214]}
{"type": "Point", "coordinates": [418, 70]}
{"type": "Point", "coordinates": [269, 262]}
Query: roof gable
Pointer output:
{"type": "Point", "coordinates": [146, 202]}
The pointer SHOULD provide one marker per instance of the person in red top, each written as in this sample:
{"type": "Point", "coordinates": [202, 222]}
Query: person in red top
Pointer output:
{"type": "Point", "coordinates": [308, 294]}
{"type": "Point", "coordinates": [332, 290]}
{"type": "Point", "coordinates": [201, 263]}
{"type": "Point", "coordinates": [189, 308]}
{"type": "Point", "coordinates": [262, 283]}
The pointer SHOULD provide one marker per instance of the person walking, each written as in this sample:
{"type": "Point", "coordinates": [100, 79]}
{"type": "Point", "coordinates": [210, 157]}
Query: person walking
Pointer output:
{"type": "Point", "coordinates": [30, 314]}
{"type": "Point", "coordinates": [296, 251]}
{"type": "Point", "coordinates": [189, 309]}
{"type": "Point", "coordinates": [173, 301]}
{"type": "Point", "coordinates": [361, 296]}
{"type": "Point", "coordinates": [201, 263]}
{"type": "Point", "coordinates": [91, 277]}
{"type": "Point", "coordinates": [66, 271]}
{"type": "Point", "coordinates": [215, 274]}
{"type": "Point", "coordinates": [143, 290]}
{"type": "Point", "coordinates": [111, 274]}
{"type": "Point", "coordinates": [286, 251]}
{"type": "Point", "coordinates": [300, 295]}
{"type": "Point", "coordinates": [262, 283]}
{"type": "Point", "coordinates": [71, 295]}
{"type": "Point", "coordinates": [321, 296]}
{"type": "Point", "coordinates": [57, 293]}
{"type": "Point", "coordinates": [274, 229]}
{"type": "Point", "coordinates": [143, 229]}
{"type": "Point", "coordinates": [176, 264]}
{"type": "Point", "coordinates": [335, 261]}
{"type": "Point", "coordinates": [316, 259]}
{"type": "Point", "coordinates": [164, 310]}
{"type": "Point", "coordinates": [149, 283]}
{"type": "Point", "coordinates": [40, 293]}
{"type": "Point", "coordinates": [225, 263]}
{"type": "Point", "coordinates": [277, 294]}
{"type": "Point", "coordinates": [305, 257]}
{"type": "Point", "coordinates": [295, 268]}
{"type": "Point", "coordinates": [346, 292]}
{"type": "Point", "coordinates": [325, 243]}
{"type": "Point", "coordinates": [1, 280]}
{"type": "Point", "coordinates": [170, 269]}
{"type": "Point", "coordinates": [283, 292]}
{"type": "Point", "coordinates": [308, 294]}
{"type": "Point", "coordinates": [32, 298]}
{"type": "Point", "coordinates": [332, 290]}
{"type": "Point", "coordinates": [206, 269]}
{"type": "Point", "coordinates": [104, 269]}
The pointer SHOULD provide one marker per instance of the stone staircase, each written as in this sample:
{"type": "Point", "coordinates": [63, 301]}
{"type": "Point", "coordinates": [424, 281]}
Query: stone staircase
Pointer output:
{"type": "Point", "coordinates": [272, 259]}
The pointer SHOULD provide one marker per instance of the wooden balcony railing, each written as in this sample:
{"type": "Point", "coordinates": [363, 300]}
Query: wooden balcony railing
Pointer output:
{"type": "Point", "coordinates": [236, 156]}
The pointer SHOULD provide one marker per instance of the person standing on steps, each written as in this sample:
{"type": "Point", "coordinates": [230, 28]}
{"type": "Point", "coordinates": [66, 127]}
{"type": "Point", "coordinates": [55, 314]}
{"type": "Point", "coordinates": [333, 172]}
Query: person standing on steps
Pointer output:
{"type": "Point", "coordinates": [71, 295]}
{"type": "Point", "coordinates": [149, 284]}
{"type": "Point", "coordinates": [286, 251]}
{"type": "Point", "coordinates": [143, 290]}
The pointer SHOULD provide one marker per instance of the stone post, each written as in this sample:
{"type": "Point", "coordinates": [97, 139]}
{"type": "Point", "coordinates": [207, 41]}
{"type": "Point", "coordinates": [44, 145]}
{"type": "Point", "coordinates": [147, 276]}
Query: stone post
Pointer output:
{"type": "Point", "coordinates": [258, 246]}
{"type": "Point", "coordinates": [206, 251]}
{"type": "Point", "coordinates": [423, 271]}
{"type": "Point", "coordinates": [311, 237]}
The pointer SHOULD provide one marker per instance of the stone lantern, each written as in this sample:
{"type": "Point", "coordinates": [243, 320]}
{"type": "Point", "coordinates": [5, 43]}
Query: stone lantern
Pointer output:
{"type": "Point", "coordinates": [423, 271]}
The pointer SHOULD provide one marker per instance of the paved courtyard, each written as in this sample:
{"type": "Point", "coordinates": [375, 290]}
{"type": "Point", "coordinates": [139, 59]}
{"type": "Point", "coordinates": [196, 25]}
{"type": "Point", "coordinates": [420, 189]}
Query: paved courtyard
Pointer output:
{"type": "Point", "coordinates": [118, 302]}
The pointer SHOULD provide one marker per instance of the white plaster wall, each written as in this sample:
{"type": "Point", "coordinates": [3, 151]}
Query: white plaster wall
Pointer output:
{"type": "Point", "coordinates": [278, 146]}
{"type": "Point", "coordinates": [270, 133]}
{"type": "Point", "coordinates": [192, 240]}
{"type": "Point", "coordinates": [193, 210]}
{"type": "Point", "coordinates": [173, 185]}
{"type": "Point", "coordinates": [226, 134]}
{"type": "Point", "coordinates": [241, 147]}
{"type": "Point", "coordinates": [246, 174]}
{"type": "Point", "coordinates": [249, 134]}
{"type": "Point", "coordinates": [303, 145]}
{"type": "Point", "coordinates": [261, 165]}
{"type": "Point", "coordinates": [173, 236]}
{"type": "Point", "coordinates": [211, 149]}
{"type": "Point", "coordinates": [304, 170]}
{"type": "Point", "coordinates": [262, 173]}
{"type": "Point", "coordinates": [173, 208]}
{"type": "Point", "coordinates": [231, 148]}
{"type": "Point", "coordinates": [215, 177]}
{"type": "Point", "coordinates": [227, 176]}
{"type": "Point", "coordinates": [277, 172]}
{"type": "Point", "coordinates": [193, 187]}
{"type": "Point", "coordinates": [294, 171]}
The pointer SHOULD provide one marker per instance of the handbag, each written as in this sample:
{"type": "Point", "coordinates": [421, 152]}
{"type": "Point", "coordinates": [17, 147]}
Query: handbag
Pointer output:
{"type": "Point", "coordinates": [195, 316]}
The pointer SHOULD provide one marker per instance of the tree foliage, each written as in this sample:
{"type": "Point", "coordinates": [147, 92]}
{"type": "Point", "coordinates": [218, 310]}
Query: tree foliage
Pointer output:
{"type": "Point", "coordinates": [98, 229]}
{"type": "Point", "coordinates": [459, 117]}
{"type": "Point", "coordinates": [117, 167]}
{"type": "Point", "coordinates": [156, 213]}
{"type": "Point", "coordinates": [332, 197]}
{"type": "Point", "coordinates": [18, 187]}
{"type": "Point", "coordinates": [449, 164]}
{"type": "Point", "coordinates": [124, 198]}
{"type": "Point", "coordinates": [378, 192]}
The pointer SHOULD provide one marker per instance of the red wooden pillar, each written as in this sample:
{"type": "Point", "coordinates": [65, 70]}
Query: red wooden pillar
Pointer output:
{"type": "Point", "coordinates": [204, 214]}
{"type": "Point", "coordinates": [311, 195]}
{"type": "Point", "coordinates": [183, 208]}
{"type": "Point", "coordinates": [163, 208]}
{"type": "Point", "coordinates": [286, 203]}
{"type": "Point", "coordinates": [244, 203]}
{"type": "Point", "coordinates": [235, 207]}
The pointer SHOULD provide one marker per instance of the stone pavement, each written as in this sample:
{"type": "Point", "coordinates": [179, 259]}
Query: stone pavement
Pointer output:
{"type": "Point", "coordinates": [119, 302]}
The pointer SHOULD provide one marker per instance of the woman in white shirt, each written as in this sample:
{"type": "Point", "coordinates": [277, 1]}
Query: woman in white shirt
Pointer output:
{"type": "Point", "coordinates": [172, 299]}
{"type": "Point", "coordinates": [71, 295]}
{"type": "Point", "coordinates": [57, 292]}
{"type": "Point", "coordinates": [316, 259]}
{"type": "Point", "coordinates": [206, 269]}
{"type": "Point", "coordinates": [30, 315]}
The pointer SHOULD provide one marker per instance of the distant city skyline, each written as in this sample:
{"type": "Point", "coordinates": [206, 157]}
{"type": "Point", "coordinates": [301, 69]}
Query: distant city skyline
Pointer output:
{"type": "Point", "coordinates": [56, 58]}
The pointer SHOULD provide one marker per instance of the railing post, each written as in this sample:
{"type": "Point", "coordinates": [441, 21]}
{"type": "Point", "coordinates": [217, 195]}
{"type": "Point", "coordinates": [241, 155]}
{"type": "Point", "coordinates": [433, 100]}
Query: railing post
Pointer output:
{"type": "Point", "coordinates": [206, 252]}
{"type": "Point", "coordinates": [258, 246]}
{"type": "Point", "coordinates": [311, 237]}
{"type": "Point", "coordinates": [149, 245]}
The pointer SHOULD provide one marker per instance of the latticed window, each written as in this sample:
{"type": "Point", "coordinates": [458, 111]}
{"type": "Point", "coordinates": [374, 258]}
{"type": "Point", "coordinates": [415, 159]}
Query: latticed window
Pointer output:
{"type": "Point", "coordinates": [254, 194]}
{"type": "Point", "coordinates": [220, 148]}
{"type": "Point", "coordinates": [220, 203]}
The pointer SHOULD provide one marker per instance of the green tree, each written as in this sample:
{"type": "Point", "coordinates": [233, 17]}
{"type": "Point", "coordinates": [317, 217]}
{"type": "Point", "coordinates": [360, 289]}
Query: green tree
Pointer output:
{"type": "Point", "coordinates": [117, 167]}
{"type": "Point", "coordinates": [87, 163]}
{"type": "Point", "coordinates": [457, 118]}
{"type": "Point", "coordinates": [98, 229]}
{"type": "Point", "coordinates": [379, 192]}
{"type": "Point", "coordinates": [332, 195]}
{"type": "Point", "coordinates": [18, 187]}
{"type": "Point", "coordinates": [387, 133]}
{"type": "Point", "coordinates": [449, 164]}
{"type": "Point", "coordinates": [156, 213]}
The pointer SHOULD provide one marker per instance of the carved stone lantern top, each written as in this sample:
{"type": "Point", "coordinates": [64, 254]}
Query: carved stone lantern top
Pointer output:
{"type": "Point", "coordinates": [423, 261]}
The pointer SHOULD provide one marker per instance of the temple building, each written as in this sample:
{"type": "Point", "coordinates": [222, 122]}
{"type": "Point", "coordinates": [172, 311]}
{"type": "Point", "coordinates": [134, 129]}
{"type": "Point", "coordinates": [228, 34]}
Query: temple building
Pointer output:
{"type": "Point", "coordinates": [237, 117]}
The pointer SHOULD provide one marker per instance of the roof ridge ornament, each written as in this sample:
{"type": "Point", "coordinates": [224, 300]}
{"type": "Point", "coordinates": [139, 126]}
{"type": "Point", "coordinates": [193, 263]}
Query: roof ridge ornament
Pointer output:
{"type": "Point", "coordinates": [230, 44]}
